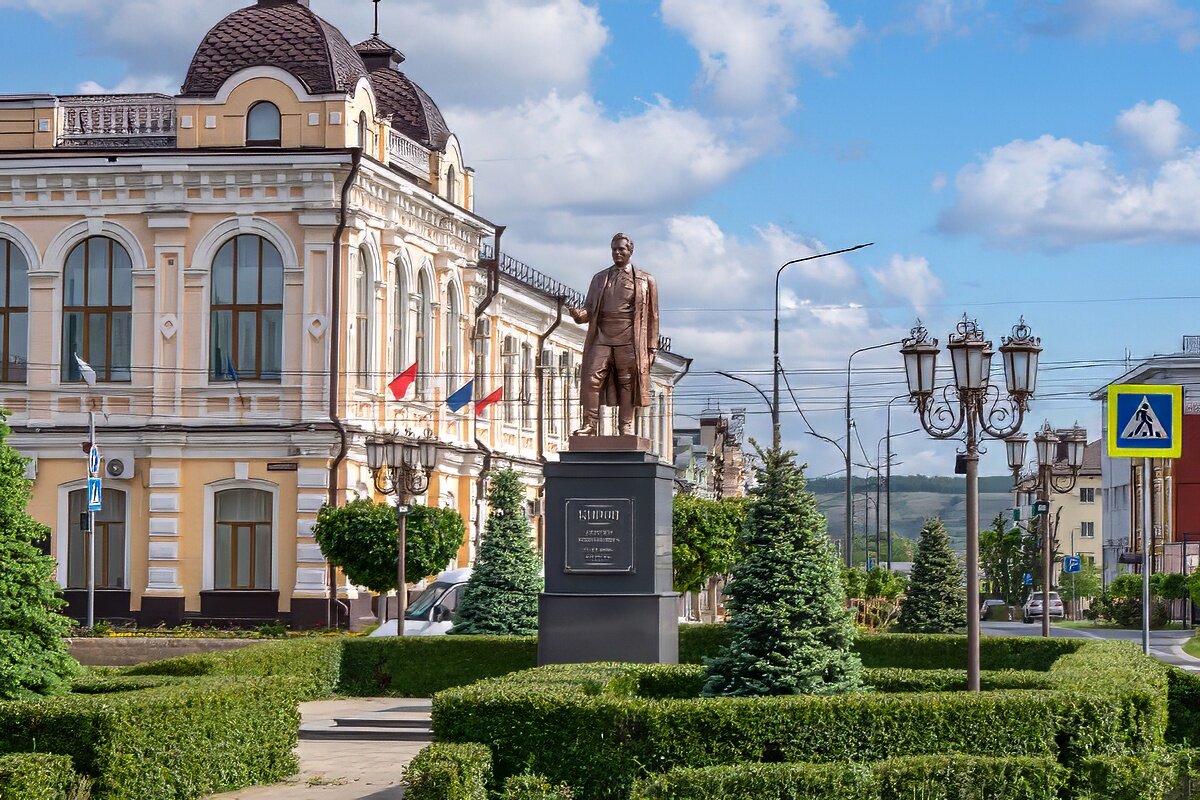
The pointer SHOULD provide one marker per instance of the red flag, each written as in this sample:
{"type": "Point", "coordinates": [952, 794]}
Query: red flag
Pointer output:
{"type": "Point", "coordinates": [494, 397]}
{"type": "Point", "coordinates": [400, 383]}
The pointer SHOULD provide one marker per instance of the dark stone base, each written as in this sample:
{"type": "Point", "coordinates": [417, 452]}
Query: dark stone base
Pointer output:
{"type": "Point", "coordinates": [583, 628]}
{"type": "Point", "coordinates": [240, 606]}
{"type": "Point", "coordinates": [108, 604]}
{"type": "Point", "coordinates": [165, 611]}
{"type": "Point", "coordinates": [312, 612]}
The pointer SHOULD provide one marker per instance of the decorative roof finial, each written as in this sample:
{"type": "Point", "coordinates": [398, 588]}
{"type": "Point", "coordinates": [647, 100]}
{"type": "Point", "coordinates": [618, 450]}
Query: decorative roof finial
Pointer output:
{"type": "Point", "coordinates": [376, 2]}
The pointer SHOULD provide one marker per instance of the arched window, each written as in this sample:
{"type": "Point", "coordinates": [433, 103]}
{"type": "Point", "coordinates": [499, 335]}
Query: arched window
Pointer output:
{"type": "Point", "coordinates": [243, 540]}
{"type": "Point", "coordinates": [246, 311]}
{"type": "Point", "coordinates": [664, 427]}
{"type": "Point", "coordinates": [110, 540]}
{"type": "Point", "coordinates": [14, 310]}
{"type": "Point", "coordinates": [550, 379]}
{"type": "Point", "coordinates": [364, 306]}
{"type": "Point", "coordinates": [508, 358]}
{"type": "Point", "coordinates": [366, 136]}
{"type": "Point", "coordinates": [454, 378]}
{"type": "Point", "coordinates": [399, 309]}
{"type": "Point", "coordinates": [263, 125]}
{"type": "Point", "coordinates": [425, 363]}
{"type": "Point", "coordinates": [451, 185]}
{"type": "Point", "coordinates": [97, 310]}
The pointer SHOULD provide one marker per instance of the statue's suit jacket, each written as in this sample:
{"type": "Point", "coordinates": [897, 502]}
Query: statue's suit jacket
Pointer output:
{"type": "Point", "coordinates": [645, 332]}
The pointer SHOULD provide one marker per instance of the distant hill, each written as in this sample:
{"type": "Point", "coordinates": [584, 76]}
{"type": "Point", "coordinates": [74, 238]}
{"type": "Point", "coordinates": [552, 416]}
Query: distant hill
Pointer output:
{"type": "Point", "coordinates": [914, 499]}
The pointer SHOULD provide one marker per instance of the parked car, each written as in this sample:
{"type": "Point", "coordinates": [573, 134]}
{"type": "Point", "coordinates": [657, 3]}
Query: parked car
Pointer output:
{"type": "Point", "coordinates": [431, 613]}
{"type": "Point", "coordinates": [986, 608]}
{"type": "Point", "coordinates": [1033, 607]}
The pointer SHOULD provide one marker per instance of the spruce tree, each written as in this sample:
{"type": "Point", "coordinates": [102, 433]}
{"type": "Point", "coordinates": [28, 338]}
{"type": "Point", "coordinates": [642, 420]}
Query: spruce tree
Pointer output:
{"type": "Point", "coordinates": [791, 632]}
{"type": "Point", "coordinates": [501, 597]}
{"type": "Point", "coordinates": [33, 648]}
{"type": "Point", "coordinates": [936, 601]}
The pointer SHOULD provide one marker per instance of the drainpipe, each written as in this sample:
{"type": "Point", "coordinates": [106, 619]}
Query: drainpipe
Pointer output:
{"type": "Point", "coordinates": [334, 329]}
{"type": "Point", "coordinates": [493, 288]}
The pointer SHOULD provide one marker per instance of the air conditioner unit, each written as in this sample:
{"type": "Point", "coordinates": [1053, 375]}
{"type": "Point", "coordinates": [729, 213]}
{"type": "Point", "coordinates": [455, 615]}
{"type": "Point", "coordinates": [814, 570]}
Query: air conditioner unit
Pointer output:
{"type": "Point", "coordinates": [119, 466]}
{"type": "Point", "coordinates": [483, 328]}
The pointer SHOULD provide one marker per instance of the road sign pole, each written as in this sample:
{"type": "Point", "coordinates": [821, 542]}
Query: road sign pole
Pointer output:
{"type": "Point", "coordinates": [1147, 559]}
{"type": "Point", "coordinates": [90, 534]}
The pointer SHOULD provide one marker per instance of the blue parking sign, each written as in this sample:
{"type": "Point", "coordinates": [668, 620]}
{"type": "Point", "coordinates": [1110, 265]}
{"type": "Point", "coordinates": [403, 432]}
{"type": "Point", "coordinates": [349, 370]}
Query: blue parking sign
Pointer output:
{"type": "Point", "coordinates": [1028, 579]}
{"type": "Point", "coordinates": [1072, 563]}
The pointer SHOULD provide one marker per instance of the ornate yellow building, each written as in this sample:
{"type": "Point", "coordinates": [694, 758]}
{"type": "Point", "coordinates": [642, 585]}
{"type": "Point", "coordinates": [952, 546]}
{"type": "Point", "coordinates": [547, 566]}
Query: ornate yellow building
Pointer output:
{"type": "Point", "coordinates": [246, 265]}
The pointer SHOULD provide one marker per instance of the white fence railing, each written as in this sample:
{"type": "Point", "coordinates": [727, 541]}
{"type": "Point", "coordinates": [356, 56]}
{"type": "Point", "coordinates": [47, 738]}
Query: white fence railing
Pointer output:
{"type": "Point", "coordinates": [140, 119]}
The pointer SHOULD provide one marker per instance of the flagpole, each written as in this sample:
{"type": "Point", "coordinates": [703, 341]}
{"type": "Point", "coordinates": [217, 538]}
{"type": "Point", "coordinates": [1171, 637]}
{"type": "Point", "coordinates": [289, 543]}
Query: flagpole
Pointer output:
{"type": "Point", "coordinates": [91, 531]}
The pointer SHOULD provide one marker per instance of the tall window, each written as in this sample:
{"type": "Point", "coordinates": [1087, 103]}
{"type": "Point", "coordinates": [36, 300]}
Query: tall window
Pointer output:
{"type": "Point", "coordinates": [362, 133]}
{"type": "Point", "coordinates": [399, 309]}
{"type": "Point", "coordinates": [14, 313]}
{"type": "Point", "coordinates": [364, 293]}
{"type": "Point", "coordinates": [263, 125]}
{"type": "Point", "coordinates": [246, 311]}
{"type": "Point", "coordinates": [110, 540]}
{"type": "Point", "coordinates": [550, 380]}
{"type": "Point", "coordinates": [508, 357]}
{"type": "Point", "coordinates": [564, 373]}
{"type": "Point", "coordinates": [97, 309]}
{"type": "Point", "coordinates": [451, 185]}
{"type": "Point", "coordinates": [243, 540]}
{"type": "Point", "coordinates": [453, 337]}
{"type": "Point", "coordinates": [424, 334]}
{"type": "Point", "coordinates": [526, 386]}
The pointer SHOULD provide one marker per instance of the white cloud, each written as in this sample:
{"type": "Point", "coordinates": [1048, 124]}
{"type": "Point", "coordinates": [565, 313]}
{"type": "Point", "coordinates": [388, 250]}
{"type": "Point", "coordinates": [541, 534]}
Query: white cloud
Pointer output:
{"type": "Point", "coordinates": [1053, 193]}
{"type": "Point", "coordinates": [567, 154]}
{"type": "Point", "coordinates": [910, 279]}
{"type": "Point", "coordinates": [1152, 130]}
{"type": "Point", "coordinates": [749, 48]}
{"type": "Point", "coordinates": [941, 18]}
{"type": "Point", "coordinates": [1101, 19]}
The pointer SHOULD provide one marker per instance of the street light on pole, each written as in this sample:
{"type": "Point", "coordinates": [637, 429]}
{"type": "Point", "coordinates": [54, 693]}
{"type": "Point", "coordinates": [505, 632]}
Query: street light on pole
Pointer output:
{"type": "Point", "coordinates": [849, 360]}
{"type": "Point", "coordinates": [775, 433]}
{"type": "Point", "coordinates": [974, 407]}
{"type": "Point", "coordinates": [401, 467]}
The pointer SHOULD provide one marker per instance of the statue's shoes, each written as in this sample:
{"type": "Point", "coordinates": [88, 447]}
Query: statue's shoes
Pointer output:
{"type": "Point", "coordinates": [586, 430]}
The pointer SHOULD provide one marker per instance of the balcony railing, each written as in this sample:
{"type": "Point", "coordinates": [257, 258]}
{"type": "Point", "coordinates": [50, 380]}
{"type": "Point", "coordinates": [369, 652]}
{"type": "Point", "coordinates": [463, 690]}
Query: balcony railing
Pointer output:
{"type": "Point", "coordinates": [407, 153]}
{"type": "Point", "coordinates": [534, 279]}
{"type": "Point", "coordinates": [118, 120]}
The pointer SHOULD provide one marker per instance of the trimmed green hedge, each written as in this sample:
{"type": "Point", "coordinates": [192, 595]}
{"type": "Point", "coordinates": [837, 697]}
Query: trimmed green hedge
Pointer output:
{"type": "Point", "coordinates": [420, 666]}
{"type": "Point", "coordinates": [449, 772]}
{"type": "Point", "coordinates": [179, 741]}
{"type": "Point", "coordinates": [954, 777]}
{"type": "Point", "coordinates": [314, 663]}
{"type": "Point", "coordinates": [535, 787]}
{"type": "Point", "coordinates": [36, 776]}
{"type": "Point", "coordinates": [598, 727]}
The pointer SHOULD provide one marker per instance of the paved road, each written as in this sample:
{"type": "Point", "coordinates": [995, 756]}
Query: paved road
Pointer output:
{"type": "Point", "coordinates": [1166, 646]}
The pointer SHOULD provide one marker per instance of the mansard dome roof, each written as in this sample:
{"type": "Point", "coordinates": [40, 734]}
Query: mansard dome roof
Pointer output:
{"type": "Point", "coordinates": [412, 110]}
{"type": "Point", "coordinates": [277, 33]}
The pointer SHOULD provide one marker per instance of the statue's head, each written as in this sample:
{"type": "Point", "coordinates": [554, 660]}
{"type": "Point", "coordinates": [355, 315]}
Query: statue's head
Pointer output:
{"type": "Point", "coordinates": [622, 249]}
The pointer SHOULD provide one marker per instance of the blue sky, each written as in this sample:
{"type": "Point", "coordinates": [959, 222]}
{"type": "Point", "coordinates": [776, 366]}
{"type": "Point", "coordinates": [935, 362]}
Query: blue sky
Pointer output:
{"type": "Point", "coordinates": [1030, 157]}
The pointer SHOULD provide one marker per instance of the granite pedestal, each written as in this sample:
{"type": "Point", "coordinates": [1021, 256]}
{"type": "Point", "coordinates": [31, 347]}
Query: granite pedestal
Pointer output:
{"type": "Point", "coordinates": [608, 590]}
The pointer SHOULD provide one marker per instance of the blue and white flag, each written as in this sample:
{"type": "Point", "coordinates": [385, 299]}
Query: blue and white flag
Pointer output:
{"type": "Point", "coordinates": [461, 398]}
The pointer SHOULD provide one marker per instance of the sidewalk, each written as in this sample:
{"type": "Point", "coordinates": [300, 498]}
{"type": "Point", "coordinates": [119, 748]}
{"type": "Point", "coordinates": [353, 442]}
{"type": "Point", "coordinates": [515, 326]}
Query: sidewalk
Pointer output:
{"type": "Point", "coordinates": [342, 770]}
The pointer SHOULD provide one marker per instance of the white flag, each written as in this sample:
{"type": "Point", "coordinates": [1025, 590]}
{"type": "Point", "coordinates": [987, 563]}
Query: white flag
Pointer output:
{"type": "Point", "coordinates": [85, 369]}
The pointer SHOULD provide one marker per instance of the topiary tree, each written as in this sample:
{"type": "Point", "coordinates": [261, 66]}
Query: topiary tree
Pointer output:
{"type": "Point", "coordinates": [936, 601]}
{"type": "Point", "coordinates": [33, 647]}
{"type": "Point", "coordinates": [501, 596]}
{"type": "Point", "coordinates": [360, 537]}
{"type": "Point", "coordinates": [791, 632]}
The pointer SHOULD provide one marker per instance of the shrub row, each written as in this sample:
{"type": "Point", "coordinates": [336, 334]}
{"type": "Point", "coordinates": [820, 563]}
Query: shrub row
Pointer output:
{"type": "Point", "coordinates": [597, 728]}
{"type": "Point", "coordinates": [449, 772]}
{"type": "Point", "coordinates": [207, 734]}
{"type": "Point", "coordinates": [36, 776]}
{"type": "Point", "coordinates": [907, 651]}
{"type": "Point", "coordinates": [420, 666]}
{"type": "Point", "coordinates": [314, 664]}
{"type": "Point", "coordinates": [955, 777]}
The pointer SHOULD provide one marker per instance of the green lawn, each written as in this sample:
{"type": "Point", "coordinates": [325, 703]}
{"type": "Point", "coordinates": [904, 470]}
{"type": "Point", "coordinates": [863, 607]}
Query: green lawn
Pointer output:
{"type": "Point", "coordinates": [1087, 623]}
{"type": "Point", "coordinates": [1192, 648]}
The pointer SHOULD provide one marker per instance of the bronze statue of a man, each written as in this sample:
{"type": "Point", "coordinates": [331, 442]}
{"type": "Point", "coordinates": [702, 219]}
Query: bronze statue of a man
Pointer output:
{"type": "Point", "coordinates": [621, 312]}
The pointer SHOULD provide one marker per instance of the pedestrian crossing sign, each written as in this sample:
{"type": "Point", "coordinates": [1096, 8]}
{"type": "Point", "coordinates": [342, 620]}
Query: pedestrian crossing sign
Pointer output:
{"type": "Point", "coordinates": [1145, 421]}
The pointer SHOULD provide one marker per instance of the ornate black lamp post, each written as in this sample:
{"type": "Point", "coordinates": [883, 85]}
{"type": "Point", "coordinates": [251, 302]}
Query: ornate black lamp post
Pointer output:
{"type": "Point", "coordinates": [401, 467]}
{"type": "Point", "coordinates": [1047, 481]}
{"type": "Point", "coordinates": [971, 407]}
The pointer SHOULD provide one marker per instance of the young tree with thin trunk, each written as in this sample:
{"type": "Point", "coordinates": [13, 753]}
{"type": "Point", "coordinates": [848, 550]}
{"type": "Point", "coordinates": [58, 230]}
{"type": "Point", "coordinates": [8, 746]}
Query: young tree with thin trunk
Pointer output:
{"type": "Point", "coordinates": [936, 601]}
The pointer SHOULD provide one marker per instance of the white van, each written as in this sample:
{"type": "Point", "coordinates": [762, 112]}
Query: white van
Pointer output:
{"type": "Point", "coordinates": [431, 613]}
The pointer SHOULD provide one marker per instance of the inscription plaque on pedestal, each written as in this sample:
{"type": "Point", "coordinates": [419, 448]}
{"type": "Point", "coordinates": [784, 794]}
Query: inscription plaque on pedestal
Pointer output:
{"type": "Point", "coordinates": [599, 536]}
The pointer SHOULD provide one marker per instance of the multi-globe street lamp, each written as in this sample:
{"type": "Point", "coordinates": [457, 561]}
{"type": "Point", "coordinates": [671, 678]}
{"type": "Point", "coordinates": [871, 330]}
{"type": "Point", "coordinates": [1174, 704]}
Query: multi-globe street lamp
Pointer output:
{"type": "Point", "coordinates": [1045, 482]}
{"type": "Point", "coordinates": [971, 407]}
{"type": "Point", "coordinates": [401, 467]}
